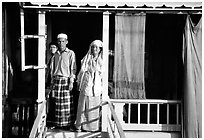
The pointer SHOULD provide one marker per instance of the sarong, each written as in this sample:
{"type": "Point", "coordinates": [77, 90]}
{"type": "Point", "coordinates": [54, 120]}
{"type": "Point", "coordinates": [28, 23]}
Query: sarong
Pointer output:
{"type": "Point", "coordinates": [63, 102]}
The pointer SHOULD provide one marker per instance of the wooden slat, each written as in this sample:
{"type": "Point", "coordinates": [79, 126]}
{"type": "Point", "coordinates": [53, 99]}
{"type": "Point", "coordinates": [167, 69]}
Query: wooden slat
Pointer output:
{"type": "Point", "coordinates": [177, 113]}
{"type": "Point", "coordinates": [167, 114]}
{"type": "Point", "coordinates": [118, 125]}
{"type": "Point", "coordinates": [152, 101]}
{"type": "Point", "coordinates": [138, 117]}
{"type": "Point", "coordinates": [25, 120]}
{"type": "Point", "coordinates": [158, 109]}
{"type": "Point", "coordinates": [148, 113]}
{"type": "Point", "coordinates": [38, 120]}
{"type": "Point", "coordinates": [22, 41]}
{"type": "Point", "coordinates": [129, 112]}
{"type": "Point", "coordinates": [20, 120]}
{"type": "Point", "coordinates": [152, 127]}
{"type": "Point", "coordinates": [111, 128]}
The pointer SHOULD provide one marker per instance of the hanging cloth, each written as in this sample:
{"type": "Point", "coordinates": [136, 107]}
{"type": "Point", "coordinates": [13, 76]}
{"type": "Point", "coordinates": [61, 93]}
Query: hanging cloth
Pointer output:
{"type": "Point", "coordinates": [129, 56]}
{"type": "Point", "coordinates": [192, 58]}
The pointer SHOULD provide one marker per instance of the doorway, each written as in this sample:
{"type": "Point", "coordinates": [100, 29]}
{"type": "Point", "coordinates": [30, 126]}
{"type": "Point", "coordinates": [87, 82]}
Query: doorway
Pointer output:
{"type": "Point", "coordinates": [81, 28]}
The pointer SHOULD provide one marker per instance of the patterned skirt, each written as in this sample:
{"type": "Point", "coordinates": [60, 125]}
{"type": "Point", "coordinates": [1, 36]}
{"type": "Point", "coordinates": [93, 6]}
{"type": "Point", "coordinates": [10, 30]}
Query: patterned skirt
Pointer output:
{"type": "Point", "coordinates": [63, 102]}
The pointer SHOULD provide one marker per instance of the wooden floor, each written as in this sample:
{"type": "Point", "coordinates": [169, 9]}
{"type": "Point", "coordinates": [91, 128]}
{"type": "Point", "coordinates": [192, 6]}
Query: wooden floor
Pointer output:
{"type": "Point", "coordinates": [57, 133]}
{"type": "Point", "coordinates": [146, 134]}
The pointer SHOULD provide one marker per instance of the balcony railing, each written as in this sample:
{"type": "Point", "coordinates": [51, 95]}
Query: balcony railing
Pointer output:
{"type": "Point", "coordinates": [153, 115]}
{"type": "Point", "coordinates": [123, 115]}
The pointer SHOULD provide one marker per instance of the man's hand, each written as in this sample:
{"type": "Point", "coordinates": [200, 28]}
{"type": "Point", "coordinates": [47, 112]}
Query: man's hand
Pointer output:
{"type": "Point", "coordinates": [70, 86]}
{"type": "Point", "coordinates": [78, 87]}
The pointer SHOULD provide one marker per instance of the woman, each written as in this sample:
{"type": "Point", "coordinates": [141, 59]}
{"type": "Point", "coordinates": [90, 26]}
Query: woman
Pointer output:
{"type": "Point", "coordinates": [89, 81]}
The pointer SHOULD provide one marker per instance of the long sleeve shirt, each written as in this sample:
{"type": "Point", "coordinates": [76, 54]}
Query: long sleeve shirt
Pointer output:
{"type": "Point", "coordinates": [48, 73]}
{"type": "Point", "coordinates": [64, 64]}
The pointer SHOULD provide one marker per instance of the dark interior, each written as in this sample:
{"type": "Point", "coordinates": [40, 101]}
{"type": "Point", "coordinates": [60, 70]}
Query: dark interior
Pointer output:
{"type": "Point", "coordinates": [81, 28]}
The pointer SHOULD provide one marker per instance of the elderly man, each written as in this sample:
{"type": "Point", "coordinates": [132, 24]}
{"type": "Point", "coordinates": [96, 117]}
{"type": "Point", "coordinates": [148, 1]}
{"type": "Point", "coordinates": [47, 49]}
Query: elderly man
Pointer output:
{"type": "Point", "coordinates": [63, 69]}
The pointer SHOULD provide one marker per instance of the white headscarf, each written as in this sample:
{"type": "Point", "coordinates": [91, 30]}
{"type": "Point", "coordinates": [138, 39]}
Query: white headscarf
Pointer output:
{"type": "Point", "coordinates": [85, 60]}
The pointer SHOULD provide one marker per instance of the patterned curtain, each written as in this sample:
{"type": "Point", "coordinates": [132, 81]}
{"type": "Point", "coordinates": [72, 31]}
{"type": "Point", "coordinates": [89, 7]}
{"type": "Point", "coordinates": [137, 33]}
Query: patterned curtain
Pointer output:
{"type": "Point", "coordinates": [192, 57]}
{"type": "Point", "coordinates": [128, 74]}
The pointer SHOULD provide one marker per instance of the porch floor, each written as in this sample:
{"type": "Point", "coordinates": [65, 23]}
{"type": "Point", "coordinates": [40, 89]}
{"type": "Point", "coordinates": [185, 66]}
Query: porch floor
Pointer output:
{"type": "Point", "coordinates": [58, 133]}
{"type": "Point", "coordinates": [152, 134]}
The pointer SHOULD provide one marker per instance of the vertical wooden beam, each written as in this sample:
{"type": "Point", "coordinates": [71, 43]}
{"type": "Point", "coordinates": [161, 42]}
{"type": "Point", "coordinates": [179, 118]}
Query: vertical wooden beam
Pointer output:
{"type": "Point", "coordinates": [49, 36]}
{"type": "Point", "coordinates": [105, 53]}
{"type": "Point", "coordinates": [105, 66]}
{"type": "Point", "coordinates": [119, 111]}
{"type": "Point", "coordinates": [148, 113]}
{"type": "Point", "coordinates": [22, 41]}
{"type": "Point", "coordinates": [182, 119]}
{"type": "Point", "coordinates": [158, 110]}
{"type": "Point", "coordinates": [167, 114]}
{"type": "Point", "coordinates": [129, 112]}
{"type": "Point", "coordinates": [138, 113]}
{"type": "Point", "coordinates": [177, 113]}
{"type": "Point", "coordinates": [41, 56]}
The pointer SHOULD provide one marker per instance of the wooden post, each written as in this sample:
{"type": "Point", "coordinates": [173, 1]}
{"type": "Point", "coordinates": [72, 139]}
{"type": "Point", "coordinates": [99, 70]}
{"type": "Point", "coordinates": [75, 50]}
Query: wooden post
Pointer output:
{"type": "Point", "coordinates": [119, 111]}
{"type": "Point", "coordinates": [105, 65]}
{"type": "Point", "coordinates": [22, 41]}
{"type": "Point", "coordinates": [41, 57]}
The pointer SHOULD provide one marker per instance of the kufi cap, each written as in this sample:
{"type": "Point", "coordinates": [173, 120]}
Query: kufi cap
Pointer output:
{"type": "Point", "coordinates": [61, 35]}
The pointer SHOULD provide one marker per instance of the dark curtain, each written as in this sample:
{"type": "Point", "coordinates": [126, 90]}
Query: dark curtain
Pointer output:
{"type": "Point", "coordinates": [129, 56]}
{"type": "Point", "coordinates": [163, 55]}
{"type": "Point", "coordinates": [192, 58]}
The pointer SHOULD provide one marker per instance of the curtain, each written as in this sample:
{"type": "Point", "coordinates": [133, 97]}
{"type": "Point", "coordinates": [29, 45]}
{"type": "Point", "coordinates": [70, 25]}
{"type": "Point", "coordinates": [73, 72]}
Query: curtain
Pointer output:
{"type": "Point", "coordinates": [192, 57]}
{"type": "Point", "coordinates": [128, 74]}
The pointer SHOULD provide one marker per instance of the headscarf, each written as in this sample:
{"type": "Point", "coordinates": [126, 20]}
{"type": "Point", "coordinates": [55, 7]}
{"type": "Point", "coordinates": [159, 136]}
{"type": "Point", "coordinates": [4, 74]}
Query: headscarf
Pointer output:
{"type": "Point", "coordinates": [85, 60]}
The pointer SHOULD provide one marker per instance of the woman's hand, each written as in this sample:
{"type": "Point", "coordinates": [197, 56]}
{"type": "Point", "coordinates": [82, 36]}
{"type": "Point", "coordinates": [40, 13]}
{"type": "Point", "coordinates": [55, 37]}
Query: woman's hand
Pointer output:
{"type": "Point", "coordinates": [70, 86]}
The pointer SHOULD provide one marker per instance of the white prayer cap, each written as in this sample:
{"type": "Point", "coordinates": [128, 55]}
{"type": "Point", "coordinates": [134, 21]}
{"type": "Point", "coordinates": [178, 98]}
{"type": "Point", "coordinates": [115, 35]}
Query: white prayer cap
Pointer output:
{"type": "Point", "coordinates": [62, 35]}
{"type": "Point", "coordinates": [98, 43]}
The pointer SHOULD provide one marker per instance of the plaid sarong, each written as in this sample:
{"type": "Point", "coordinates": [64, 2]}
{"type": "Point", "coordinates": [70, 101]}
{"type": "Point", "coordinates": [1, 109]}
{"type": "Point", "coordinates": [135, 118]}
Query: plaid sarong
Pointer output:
{"type": "Point", "coordinates": [63, 102]}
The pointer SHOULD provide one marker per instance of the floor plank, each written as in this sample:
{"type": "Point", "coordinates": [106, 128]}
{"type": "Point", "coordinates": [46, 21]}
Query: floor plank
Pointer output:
{"type": "Point", "coordinates": [58, 133]}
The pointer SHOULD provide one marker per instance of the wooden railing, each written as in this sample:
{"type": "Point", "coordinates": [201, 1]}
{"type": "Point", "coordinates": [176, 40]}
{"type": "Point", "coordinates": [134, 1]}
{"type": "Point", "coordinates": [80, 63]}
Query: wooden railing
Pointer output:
{"type": "Point", "coordinates": [152, 115]}
{"type": "Point", "coordinates": [114, 127]}
{"type": "Point", "coordinates": [39, 126]}
{"type": "Point", "coordinates": [18, 117]}
{"type": "Point", "coordinates": [145, 115]}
